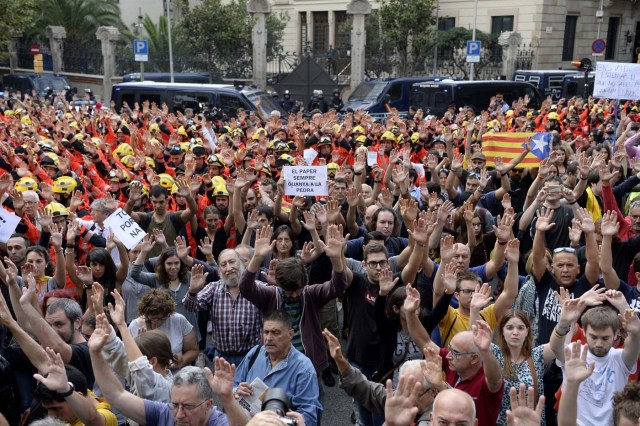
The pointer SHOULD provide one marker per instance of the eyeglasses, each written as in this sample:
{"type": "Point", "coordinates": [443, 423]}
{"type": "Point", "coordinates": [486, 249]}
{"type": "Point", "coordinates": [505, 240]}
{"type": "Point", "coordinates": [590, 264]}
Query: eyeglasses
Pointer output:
{"type": "Point", "coordinates": [456, 354]}
{"type": "Point", "coordinates": [381, 264]}
{"type": "Point", "coordinates": [466, 291]}
{"type": "Point", "coordinates": [564, 250]}
{"type": "Point", "coordinates": [186, 407]}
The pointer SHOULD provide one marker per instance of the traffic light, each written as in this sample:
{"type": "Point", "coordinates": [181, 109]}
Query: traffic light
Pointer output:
{"type": "Point", "coordinates": [38, 65]}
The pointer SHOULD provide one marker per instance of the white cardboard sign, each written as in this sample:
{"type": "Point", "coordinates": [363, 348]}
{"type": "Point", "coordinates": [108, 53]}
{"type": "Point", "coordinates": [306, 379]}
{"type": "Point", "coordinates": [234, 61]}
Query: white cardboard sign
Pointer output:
{"type": "Point", "coordinates": [125, 228]}
{"type": "Point", "coordinates": [305, 180]}
{"type": "Point", "coordinates": [615, 80]}
{"type": "Point", "coordinates": [372, 158]}
{"type": "Point", "coordinates": [8, 224]}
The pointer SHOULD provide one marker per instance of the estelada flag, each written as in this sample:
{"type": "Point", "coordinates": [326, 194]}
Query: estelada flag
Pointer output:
{"type": "Point", "coordinates": [510, 145]}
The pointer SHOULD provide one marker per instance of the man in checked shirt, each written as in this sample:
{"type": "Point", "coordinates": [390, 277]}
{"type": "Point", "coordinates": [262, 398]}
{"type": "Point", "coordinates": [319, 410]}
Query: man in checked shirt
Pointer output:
{"type": "Point", "coordinates": [237, 323]}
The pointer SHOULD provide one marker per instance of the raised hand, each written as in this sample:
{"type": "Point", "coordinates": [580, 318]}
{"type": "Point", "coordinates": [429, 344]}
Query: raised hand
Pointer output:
{"type": "Point", "coordinates": [55, 376]}
{"type": "Point", "coordinates": [595, 296]}
{"type": "Point", "coordinates": [400, 406]}
{"type": "Point", "coordinates": [56, 235]}
{"type": "Point", "coordinates": [609, 225]}
{"type": "Point", "coordinates": [576, 368]}
{"type": "Point", "coordinates": [221, 382]}
{"type": "Point", "coordinates": [571, 311]}
{"type": "Point", "coordinates": [543, 223]}
{"type": "Point", "coordinates": [481, 297]}
{"type": "Point", "coordinates": [198, 279]}
{"type": "Point", "coordinates": [504, 230]}
{"type": "Point", "coordinates": [182, 250]}
{"type": "Point", "coordinates": [335, 242]}
{"type": "Point", "coordinates": [412, 301]}
{"type": "Point", "coordinates": [482, 336]}
{"type": "Point", "coordinates": [101, 334]}
{"type": "Point", "coordinates": [333, 344]}
{"type": "Point", "coordinates": [512, 252]}
{"type": "Point", "coordinates": [206, 246]}
{"type": "Point", "coordinates": [630, 322]}
{"type": "Point", "coordinates": [263, 244]}
{"type": "Point", "coordinates": [522, 412]}
{"type": "Point", "coordinates": [387, 283]}
{"type": "Point", "coordinates": [146, 245]}
{"type": "Point", "coordinates": [586, 220]}
{"type": "Point", "coordinates": [446, 248]}
{"type": "Point", "coordinates": [117, 312]}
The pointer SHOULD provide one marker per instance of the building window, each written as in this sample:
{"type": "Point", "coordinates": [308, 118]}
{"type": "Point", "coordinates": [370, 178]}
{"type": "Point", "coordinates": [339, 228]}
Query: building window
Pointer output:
{"type": "Point", "coordinates": [500, 24]}
{"type": "Point", "coordinates": [320, 33]}
{"type": "Point", "coordinates": [570, 26]}
{"type": "Point", "coordinates": [304, 37]}
{"type": "Point", "coordinates": [446, 23]}
{"type": "Point", "coordinates": [612, 37]}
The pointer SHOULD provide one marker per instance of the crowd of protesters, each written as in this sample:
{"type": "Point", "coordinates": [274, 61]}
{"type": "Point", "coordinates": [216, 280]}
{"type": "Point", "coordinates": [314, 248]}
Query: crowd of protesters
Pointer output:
{"type": "Point", "coordinates": [436, 288]}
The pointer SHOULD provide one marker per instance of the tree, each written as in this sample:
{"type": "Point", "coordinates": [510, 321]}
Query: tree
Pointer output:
{"type": "Point", "coordinates": [406, 25]}
{"type": "Point", "coordinates": [220, 35]}
{"type": "Point", "coordinates": [80, 18]}
{"type": "Point", "coordinates": [15, 18]}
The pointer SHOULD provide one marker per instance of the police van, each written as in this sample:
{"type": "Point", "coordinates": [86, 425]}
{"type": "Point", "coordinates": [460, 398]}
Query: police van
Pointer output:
{"type": "Point", "coordinates": [179, 96]}
{"type": "Point", "coordinates": [373, 95]}
{"type": "Point", "coordinates": [435, 97]}
{"type": "Point", "coordinates": [548, 81]}
{"type": "Point", "coordinates": [573, 85]}
{"type": "Point", "coordinates": [40, 83]}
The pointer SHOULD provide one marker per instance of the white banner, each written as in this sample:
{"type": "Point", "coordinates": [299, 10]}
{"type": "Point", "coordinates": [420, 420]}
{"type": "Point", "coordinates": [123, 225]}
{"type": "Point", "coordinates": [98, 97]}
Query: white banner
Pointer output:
{"type": "Point", "coordinates": [615, 80]}
{"type": "Point", "coordinates": [125, 228]}
{"type": "Point", "coordinates": [305, 180]}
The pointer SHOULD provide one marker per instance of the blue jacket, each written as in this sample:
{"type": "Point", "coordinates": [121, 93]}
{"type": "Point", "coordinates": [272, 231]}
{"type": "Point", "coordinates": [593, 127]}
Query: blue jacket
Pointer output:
{"type": "Point", "coordinates": [295, 374]}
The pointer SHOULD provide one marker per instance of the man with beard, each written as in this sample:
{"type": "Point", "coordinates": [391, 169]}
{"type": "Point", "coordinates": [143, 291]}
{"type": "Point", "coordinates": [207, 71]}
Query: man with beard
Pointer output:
{"type": "Point", "coordinates": [601, 324]}
{"type": "Point", "coordinates": [237, 323]}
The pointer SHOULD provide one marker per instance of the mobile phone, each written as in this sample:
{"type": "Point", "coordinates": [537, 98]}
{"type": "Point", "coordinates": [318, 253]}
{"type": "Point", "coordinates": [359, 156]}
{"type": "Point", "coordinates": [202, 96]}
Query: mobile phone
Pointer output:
{"type": "Point", "coordinates": [555, 189]}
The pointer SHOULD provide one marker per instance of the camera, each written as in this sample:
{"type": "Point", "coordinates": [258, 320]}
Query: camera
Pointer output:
{"type": "Point", "coordinates": [276, 400]}
{"type": "Point", "coordinates": [213, 114]}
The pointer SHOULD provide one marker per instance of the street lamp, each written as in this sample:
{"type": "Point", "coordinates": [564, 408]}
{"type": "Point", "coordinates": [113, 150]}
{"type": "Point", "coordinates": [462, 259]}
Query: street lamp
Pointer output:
{"type": "Point", "coordinates": [168, 7]}
{"type": "Point", "coordinates": [475, 21]}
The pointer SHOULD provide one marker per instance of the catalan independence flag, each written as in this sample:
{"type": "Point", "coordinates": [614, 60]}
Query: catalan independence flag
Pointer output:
{"type": "Point", "coordinates": [510, 145]}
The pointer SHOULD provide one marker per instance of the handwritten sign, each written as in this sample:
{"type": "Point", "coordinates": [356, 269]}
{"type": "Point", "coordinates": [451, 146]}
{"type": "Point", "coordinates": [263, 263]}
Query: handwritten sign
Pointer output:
{"type": "Point", "coordinates": [615, 80]}
{"type": "Point", "coordinates": [309, 155]}
{"type": "Point", "coordinates": [305, 180]}
{"type": "Point", "coordinates": [8, 224]}
{"type": "Point", "coordinates": [125, 228]}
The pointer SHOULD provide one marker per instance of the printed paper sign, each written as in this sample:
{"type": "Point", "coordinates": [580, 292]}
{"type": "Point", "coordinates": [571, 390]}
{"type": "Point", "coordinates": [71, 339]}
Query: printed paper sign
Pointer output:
{"type": "Point", "coordinates": [305, 180]}
{"type": "Point", "coordinates": [372, 158]}
{"type": "Point", "coordinates": [616, 80]}
{"type": "Point", "coordinates": [125, 228]}
{"type": "Point", "coordinates": [309, 155]}
{"type": "Point", "coordinates": [8, 224]}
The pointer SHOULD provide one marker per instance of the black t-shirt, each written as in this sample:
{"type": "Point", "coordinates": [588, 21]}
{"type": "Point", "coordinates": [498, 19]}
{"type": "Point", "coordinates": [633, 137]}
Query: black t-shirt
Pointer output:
{"type": "Point", "coordinates": [558, 236]}
{"type": "Point", "coordinates": [548, 306]}
{"type": "Point", "coordinates": [519, 189]}
{"type": "Point", "coordinates": [363, 345]}
{"type": "Point", "coordinates": [82, 361]}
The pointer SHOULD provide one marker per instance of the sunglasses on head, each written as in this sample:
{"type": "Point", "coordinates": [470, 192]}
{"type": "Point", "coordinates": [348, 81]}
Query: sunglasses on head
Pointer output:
{"type": "Point", "coordinates": [564, 250]}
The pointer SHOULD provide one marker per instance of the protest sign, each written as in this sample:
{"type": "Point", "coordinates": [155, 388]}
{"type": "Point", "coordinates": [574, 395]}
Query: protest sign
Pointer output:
{"type": "Point", "coordinates": [9, 222]}
{"type": "Point", "coordinates": [125, 228]}
{"type": "Point", "coordinates": [372, 158]}
{"type": "Point", "coordinates": [309, 155]}
{"type": "Point", "coordinates": [615, 80]}
{"type": "Point", "coordinates": [305, 180]}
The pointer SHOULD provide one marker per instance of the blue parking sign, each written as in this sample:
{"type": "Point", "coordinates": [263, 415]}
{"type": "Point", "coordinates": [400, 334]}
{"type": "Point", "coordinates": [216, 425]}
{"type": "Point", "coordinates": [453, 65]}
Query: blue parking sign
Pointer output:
{"type": "Point", "coordinates": [141, 50]}
{"type": "Point", "coordinates": [473, 50]}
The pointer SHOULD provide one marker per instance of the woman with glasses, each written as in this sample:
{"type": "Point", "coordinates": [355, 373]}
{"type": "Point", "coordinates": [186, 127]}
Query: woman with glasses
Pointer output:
{"type": "Point", "coordinates": [157, 311]}
{"type": "Point", "coordinates": [520, 361]}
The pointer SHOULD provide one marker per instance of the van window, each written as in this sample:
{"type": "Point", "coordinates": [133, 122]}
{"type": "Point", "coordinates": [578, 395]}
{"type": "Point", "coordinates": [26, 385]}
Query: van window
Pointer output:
{"type": "Point", "coordinates": [182, 100]}
{"type": "Point", "coordinates": [230, 104]}
{"type": "Point", "coordinates": [395, 92]}
{"type": "Point", "coordinates": [129, 98]}
{"type": "Point", "coordinates": [441, 101]}
{"type": "Point", "coordinates": [151, 97]}
{"type": "Point", "coordinates": [535, 80]}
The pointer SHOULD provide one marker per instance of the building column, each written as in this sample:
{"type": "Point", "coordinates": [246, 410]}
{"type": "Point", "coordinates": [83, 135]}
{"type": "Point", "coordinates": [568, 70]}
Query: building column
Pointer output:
{"type": "Point", "coordinates": [309, 32]}
{"type": "Point", "coordinates": [259, 9]}
{"type": "Point", "coordinates": [13, 53]}
{"type": "Point", "coordinates": [108, 37]}
{"type": "Point", "coordinates": [331, 19]}
{"type": "Point", "coordinates": [56, 36]}
{"type": "Point", "coordinates": [509, 42]}
{"type": "Point", "coordinates": [359, 9]}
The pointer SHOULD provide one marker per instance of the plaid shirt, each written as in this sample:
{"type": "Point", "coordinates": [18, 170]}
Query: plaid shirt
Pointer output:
{"type": "Point", "coordinates": [237, 324]}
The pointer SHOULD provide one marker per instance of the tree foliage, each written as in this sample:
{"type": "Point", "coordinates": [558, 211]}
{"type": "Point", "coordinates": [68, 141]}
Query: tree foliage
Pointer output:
{"type": "Point", "coordinates": [15, 18]}
{"type": "Point", "coordinates": [80, 18]}
{"type": "Point", "coordinates": [220, 35]}
{"type": "Point", "coordinates": [406, 26]}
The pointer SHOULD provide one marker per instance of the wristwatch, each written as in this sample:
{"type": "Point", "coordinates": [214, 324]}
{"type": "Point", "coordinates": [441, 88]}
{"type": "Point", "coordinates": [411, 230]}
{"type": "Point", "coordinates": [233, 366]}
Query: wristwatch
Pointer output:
{"type": "Point", "coordinates": [68, 393]}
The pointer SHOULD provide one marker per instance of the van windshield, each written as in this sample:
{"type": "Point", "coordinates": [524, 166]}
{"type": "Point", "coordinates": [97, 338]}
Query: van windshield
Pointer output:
{"type": "Point", "coordinates": [368, 91]}
{"type": "Point", "coordinates": [57, 84]}
{"type": "Point", "coordinates": [267, 103]}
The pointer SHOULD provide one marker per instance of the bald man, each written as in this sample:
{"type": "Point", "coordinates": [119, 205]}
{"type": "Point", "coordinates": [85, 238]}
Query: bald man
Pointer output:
{"type": "Point", "coordinates": [453, 407]}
